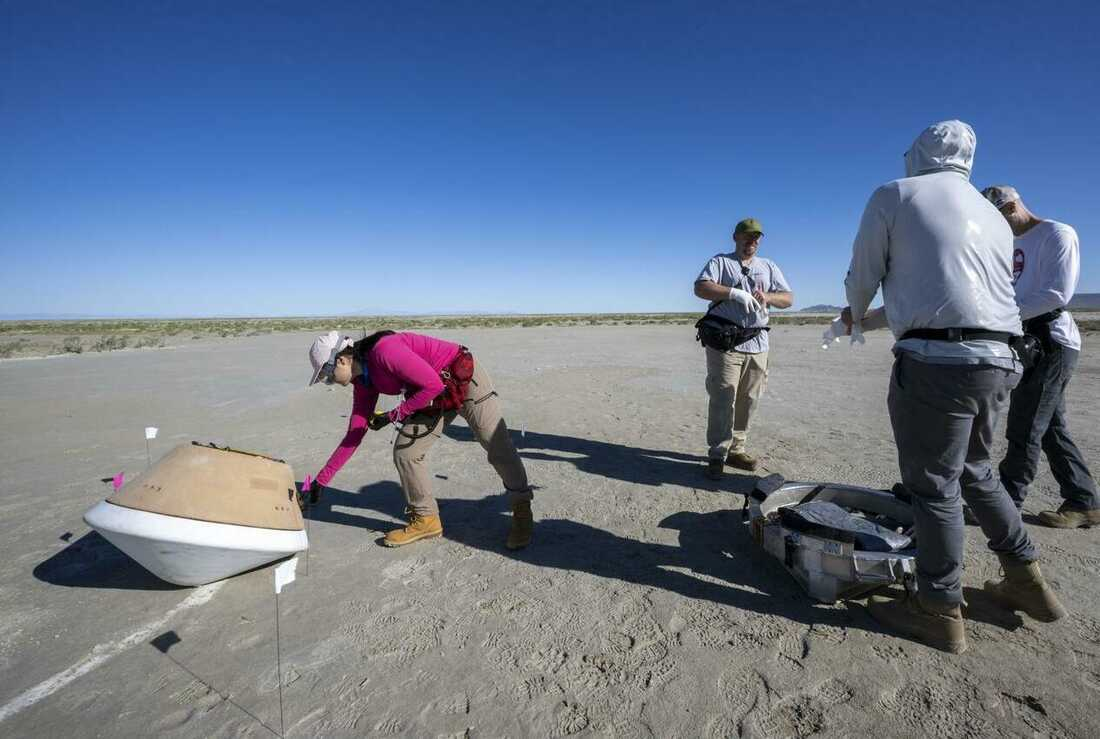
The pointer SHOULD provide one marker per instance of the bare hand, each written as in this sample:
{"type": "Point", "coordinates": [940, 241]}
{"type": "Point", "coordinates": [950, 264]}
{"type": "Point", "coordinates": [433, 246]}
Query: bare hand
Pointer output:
{"type": "Point", "coordinates": [761, 297]}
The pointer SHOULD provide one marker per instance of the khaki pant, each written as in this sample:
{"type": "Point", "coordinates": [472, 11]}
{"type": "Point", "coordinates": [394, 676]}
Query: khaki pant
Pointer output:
{"type": "Point", "coordinates": [421, 430]}
{"type": "Point", "coordinates": [735, 382]}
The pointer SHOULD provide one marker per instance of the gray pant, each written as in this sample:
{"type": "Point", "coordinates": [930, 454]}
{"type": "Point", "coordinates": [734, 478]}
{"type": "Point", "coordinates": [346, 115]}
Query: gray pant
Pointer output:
{"type": "Point", "coordinates": [1037, 423]}
{"type": "Point", "coordinates": [943, 417]}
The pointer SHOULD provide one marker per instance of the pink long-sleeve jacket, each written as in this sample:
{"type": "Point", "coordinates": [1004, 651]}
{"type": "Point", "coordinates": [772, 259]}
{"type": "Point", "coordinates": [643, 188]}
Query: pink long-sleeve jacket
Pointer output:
{"type": "Point", "coordinates": [400, 363]}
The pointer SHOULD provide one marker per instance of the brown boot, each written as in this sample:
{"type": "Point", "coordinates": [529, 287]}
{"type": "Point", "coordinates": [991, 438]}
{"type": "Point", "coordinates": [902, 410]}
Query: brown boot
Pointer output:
{"type": "Point", "coordinates": [523, 525]}
{"type": "Point", "coordinates": [1024, 589]}
{"type": "Point", "coordinates": [742, 460]}
{"type": "Point", "coordinates": [420, 527]}
{"type": "Point", "coordinates": [714, 470]}
{"type": "Point", "coordinates": [940, 627]}
{"type": "Point", "coordinates": [1067, 517]}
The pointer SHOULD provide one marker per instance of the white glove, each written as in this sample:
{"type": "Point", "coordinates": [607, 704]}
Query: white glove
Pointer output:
{"type": "Point", "coordinates": [745, 299]}
{"type": "Point", "coordinates": [833, 333]}
{"type": "Point", "coordinates": [857, 335]}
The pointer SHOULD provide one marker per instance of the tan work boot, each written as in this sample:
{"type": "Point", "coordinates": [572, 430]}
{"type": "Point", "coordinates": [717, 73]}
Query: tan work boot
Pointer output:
{"type": "Point", "coordinates": [1024, 589]}
{"type": "Point", "coordinates": [742, 460]}
{"type": "Point", "coordinates": [940, 627]}
{"type": "Point", "coordinates": [1067, 517]}
{"type": "Point", "coordinates": [420, 527]}
{"type": "Point", "coordinates": [523, 525]}
{"type": "Point", "coordinates": [714, 469]}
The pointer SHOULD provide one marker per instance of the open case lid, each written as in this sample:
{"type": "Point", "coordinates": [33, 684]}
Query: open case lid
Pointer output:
{"type": "Point", "coordinates": [218, 484]}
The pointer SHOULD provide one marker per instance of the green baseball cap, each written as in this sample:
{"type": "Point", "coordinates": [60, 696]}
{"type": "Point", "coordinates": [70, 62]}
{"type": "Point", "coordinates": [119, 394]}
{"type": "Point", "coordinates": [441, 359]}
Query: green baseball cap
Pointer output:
{"type": "Point", "coordinates": [749, 224]}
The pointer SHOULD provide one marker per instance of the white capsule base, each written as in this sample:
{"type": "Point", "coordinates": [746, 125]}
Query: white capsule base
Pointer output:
{"type": "Point", "coordinates": [184, 551]}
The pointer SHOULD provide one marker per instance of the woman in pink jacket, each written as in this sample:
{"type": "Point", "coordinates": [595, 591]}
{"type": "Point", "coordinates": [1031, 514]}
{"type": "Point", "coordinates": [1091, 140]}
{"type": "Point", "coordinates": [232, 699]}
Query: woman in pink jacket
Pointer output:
{"type": "Point", "coordinates": [439, 380]}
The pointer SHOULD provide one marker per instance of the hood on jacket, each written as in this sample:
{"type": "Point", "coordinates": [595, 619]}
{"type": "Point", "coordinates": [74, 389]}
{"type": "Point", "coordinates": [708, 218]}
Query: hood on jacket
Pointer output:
{"type": "Point", "coordinates": [947, 146]}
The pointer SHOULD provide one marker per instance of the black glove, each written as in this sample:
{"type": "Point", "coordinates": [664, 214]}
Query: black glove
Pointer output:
{"type": "Point", "coordinates": [379, 420]}
{"type": "Point", "coordinates": [309, 497]}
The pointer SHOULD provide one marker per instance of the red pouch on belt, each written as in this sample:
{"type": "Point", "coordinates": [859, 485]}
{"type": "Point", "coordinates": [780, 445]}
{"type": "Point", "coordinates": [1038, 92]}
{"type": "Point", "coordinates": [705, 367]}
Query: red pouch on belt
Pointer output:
{"type": "Point", "coordinates": [456, 382]}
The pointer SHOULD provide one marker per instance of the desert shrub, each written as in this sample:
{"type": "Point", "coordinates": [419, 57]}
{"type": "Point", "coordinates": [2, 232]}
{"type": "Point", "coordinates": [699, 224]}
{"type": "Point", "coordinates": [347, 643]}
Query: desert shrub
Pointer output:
{"type": "Point", "coordinates": [72, 345]}
{"type": "Point", "coordinates": [110, 343]}
{"type": "Point", "coordinates": [8, 349]}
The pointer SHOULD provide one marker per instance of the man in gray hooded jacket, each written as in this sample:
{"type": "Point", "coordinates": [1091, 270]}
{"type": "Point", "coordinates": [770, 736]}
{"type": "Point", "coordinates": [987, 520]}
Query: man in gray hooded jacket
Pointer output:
{"type": "Point", "coordinates": [943, 256]}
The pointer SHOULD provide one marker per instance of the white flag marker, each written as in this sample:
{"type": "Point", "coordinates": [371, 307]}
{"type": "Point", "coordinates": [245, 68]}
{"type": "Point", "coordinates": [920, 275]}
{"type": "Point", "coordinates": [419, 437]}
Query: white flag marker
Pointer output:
{"type": "Point", "coordinates": [284, 574]}
{"type": "Point", "coordinates": [150, 433]}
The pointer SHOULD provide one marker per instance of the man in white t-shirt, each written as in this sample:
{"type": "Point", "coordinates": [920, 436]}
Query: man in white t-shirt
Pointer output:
{"type": "Point", "coordinates": [1046, 265]}
{"type": "Point", "coordinates": [740, 287]}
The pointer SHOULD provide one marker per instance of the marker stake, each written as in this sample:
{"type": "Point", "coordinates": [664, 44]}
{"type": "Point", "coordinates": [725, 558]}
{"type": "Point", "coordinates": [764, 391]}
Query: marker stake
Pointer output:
{"type": "Point", "coordinates": [284, 575]}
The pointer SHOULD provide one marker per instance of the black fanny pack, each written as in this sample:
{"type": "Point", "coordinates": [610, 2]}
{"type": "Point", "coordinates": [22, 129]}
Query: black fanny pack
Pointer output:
{"type": "Point", "coordinates": [1028, 348]}
{"type": "Point", "coordinates": [1039, 327]}
{"type": "Point", "coordinates": [1037, 339]}
{"type": "Point", "coordinates": [723, 334]}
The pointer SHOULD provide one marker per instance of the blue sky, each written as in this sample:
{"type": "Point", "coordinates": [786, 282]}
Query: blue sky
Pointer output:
{"type": "Point", "coordinates": [211, 158]}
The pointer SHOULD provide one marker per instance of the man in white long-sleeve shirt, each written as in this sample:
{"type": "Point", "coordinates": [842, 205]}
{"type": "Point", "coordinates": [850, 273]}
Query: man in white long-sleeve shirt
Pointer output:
{"type": "Point", "coordinates": [1046, 265]}
{"type": "Point", "coordinates": [943, 258]}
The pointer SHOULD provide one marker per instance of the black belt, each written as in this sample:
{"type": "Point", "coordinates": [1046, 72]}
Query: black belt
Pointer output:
{"type": "Point", "coordinates": [958, 334]}
{"type": "Point", "coordinates": [1035, 324]}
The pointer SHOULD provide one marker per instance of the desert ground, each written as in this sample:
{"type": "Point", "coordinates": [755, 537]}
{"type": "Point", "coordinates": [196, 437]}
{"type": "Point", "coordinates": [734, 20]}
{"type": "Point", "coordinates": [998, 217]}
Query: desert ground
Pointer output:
{"type": "Point", "coordinates": [642, 608]}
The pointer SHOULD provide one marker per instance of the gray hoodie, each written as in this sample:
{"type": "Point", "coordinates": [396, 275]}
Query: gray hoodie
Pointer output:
{"type": "Point", "coordinates": [942, 253]}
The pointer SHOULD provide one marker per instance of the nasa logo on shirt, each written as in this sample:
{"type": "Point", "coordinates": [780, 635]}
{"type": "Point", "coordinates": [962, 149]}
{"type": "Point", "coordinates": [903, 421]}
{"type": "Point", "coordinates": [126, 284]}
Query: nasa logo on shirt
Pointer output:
{"type": "Point", "coordinates": [1017, 264]}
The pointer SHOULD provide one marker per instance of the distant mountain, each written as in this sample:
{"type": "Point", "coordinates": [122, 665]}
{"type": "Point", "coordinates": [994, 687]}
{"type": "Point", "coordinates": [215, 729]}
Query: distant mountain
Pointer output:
{"type": "Point", "coordinates": [1085, 302]}
{"type": "Point", "coordinates": [821, 308]}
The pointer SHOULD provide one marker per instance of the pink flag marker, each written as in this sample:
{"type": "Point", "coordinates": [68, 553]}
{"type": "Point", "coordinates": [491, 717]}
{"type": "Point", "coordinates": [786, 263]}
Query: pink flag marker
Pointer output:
{"type": "Point", "coordinates": [117, 481]}
{"type": "Point", "coordinates": [307, 484]}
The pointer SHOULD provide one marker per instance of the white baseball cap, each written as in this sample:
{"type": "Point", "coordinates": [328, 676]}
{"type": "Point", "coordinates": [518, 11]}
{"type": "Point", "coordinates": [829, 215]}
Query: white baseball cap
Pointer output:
{"type": "Point", "coordinates": [1001, 195]}
{"type": "Point", "coordinates": [324, 350]}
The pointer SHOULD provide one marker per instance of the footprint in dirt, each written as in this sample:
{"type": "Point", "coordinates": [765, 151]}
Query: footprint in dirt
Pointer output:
{"type": "Point", "coordinates": [390, 726]}
{"type": "Point", "coordinates": [570, 718]}
{"type": "Point", "coordinates": [722, 727]}
{"type": "Point", "coordinates": [741, 687]}
{"type": "Point", "coordinates": [800, 716]}
{"type": "Point", "coordinates": [173, 720]}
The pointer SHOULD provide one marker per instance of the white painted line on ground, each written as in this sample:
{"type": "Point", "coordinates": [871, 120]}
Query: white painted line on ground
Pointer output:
{"type": "Point", "coordinates": [103, 652]}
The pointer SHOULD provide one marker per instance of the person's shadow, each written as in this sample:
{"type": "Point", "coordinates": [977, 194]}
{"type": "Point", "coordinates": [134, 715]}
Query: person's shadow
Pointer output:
{"type": "Point", "coordinates": [715, 558]}
{"type": "Point", "coordinates": [636, 465]}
